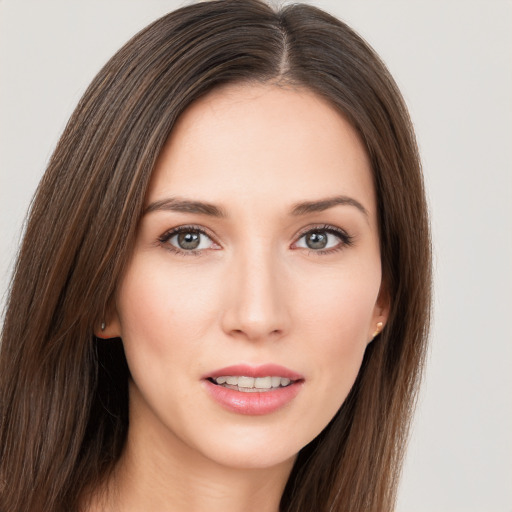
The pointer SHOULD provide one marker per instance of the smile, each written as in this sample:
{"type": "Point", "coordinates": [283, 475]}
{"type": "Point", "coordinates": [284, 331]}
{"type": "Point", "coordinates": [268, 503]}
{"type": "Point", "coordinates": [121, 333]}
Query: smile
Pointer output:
{"type": "Point", "coordinates": [253, 390]}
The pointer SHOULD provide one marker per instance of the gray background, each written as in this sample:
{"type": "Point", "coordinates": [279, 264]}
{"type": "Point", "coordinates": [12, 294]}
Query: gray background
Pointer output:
{"type": "Point", "coordinates": [453, 62]}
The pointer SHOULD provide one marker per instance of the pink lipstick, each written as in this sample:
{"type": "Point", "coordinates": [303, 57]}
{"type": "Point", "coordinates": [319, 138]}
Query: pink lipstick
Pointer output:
{"type": "Point", "coordinates": [253, 390]}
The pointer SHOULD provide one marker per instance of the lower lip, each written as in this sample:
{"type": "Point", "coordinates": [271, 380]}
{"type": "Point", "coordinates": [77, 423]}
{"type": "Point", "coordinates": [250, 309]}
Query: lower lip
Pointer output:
{"type": "Point", "coordinates": [254, 404]}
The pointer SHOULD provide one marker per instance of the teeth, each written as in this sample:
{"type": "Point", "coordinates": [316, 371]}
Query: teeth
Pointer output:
{"type": "Point", "coordinates": [263, 382]}
{"type": "Point", "coordinates": [276, 382]}
{"type": "Point", "coordinates": [251, 384]}
{"type": "Point", "coordinates": [245, 382]}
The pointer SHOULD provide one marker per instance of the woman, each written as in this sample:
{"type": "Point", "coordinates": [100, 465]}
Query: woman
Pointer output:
{"type": "Point", "coordinates": [222, 296]}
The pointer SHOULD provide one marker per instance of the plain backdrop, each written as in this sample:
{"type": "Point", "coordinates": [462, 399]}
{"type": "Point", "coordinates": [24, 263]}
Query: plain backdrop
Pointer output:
{"type": "Point", "coordinates": [453, 62]}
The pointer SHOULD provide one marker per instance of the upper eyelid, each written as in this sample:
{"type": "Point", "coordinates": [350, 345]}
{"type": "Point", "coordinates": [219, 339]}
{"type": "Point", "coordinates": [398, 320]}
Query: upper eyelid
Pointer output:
{"type": "Point", "coordinates": [209, 233]}
{"type": "Point", "coordinates": [187, 227]}
{"type": "Point", "coordinates": [320, 227]}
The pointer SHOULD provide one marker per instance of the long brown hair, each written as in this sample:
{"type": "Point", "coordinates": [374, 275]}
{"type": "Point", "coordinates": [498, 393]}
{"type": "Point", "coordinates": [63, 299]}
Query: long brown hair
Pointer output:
{"type": "Point", "coordinates": [63, 392]}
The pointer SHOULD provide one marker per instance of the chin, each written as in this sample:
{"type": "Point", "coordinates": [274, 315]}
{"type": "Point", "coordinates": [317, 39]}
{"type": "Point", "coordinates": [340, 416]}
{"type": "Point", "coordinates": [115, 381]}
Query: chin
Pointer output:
{"type": "Point", "coordinates": [253, 456]}
{"type": "Point", "coordinates": [255, 446]}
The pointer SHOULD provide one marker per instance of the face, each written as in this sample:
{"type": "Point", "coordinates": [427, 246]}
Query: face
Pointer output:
{"type": "Point", "coordinates": [254, 285]}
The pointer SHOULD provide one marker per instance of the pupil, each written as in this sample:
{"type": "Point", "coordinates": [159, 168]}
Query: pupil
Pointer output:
{"type": "Point", "coordinates": [316, 240]}
{"type": "Point", "coordinates": [188, 240]}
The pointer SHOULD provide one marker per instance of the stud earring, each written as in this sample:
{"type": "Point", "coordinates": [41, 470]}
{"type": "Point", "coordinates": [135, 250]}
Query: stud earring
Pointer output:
{"type": "Point", "coordinates": [378, 329]}
{"type": "Point", "coordinates": [103, 325]}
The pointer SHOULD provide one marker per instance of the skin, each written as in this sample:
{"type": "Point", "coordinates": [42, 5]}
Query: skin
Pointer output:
{"type": "Point", "coordinates": [253, 293]}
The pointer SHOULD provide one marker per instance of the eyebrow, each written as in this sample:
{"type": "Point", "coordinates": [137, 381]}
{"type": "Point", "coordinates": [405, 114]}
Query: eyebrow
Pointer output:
{"type": "Point", "coordinates": [177, 204]}
{"type": "Point", "coordinates": [324, 204]}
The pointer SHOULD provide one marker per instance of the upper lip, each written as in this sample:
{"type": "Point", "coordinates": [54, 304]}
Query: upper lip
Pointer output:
{"type": "Point", "coordinates": [264, 370]}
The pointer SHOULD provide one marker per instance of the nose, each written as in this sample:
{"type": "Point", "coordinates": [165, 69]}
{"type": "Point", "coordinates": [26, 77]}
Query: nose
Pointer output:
{"type": "Point", "coordinates": [256, 305]}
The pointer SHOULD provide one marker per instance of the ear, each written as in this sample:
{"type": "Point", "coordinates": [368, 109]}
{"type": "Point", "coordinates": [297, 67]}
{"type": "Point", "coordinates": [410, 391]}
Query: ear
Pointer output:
{"type": "Point", "coordinates": [108, 327]}
{"type": "Point", "coordinates": [380, 313]}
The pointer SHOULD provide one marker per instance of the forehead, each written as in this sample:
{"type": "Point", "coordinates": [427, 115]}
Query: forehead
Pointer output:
{"type": "Point", "coordinates": [244, 142]}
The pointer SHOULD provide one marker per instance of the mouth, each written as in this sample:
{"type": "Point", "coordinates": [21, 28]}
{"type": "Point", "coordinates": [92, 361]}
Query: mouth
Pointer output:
{"type": "Point", "coordinates": [253, 390]}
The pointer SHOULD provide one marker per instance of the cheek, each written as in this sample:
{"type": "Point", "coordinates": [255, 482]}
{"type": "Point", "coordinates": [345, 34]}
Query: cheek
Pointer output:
{"type": "Point", "coordinates": [155, 300]}
{"type": "Point", "coordinates": [341, 307]}
{"type": "Point", "coordinates": [336, 320]}
{"type": "Point", "coordinates": [160, 314]}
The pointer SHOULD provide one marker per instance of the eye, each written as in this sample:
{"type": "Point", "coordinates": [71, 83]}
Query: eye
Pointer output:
{"type": "Point", "coordinates": [187, 239]}
{"type": "Point", "coordinates": [324, 239]}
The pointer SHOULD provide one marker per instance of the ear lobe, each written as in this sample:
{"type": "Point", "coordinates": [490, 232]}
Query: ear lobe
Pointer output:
{"type": "Point", "coordinates": [108, 328]}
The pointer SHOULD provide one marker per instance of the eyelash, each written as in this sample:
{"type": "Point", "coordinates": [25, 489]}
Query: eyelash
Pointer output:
{"type": "Point", "coordinates": [346, 240]}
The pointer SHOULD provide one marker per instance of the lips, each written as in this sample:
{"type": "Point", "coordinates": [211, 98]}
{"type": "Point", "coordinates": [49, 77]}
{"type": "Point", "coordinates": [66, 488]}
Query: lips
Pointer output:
{"type": "Point", "coordinates": [253, 390]}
